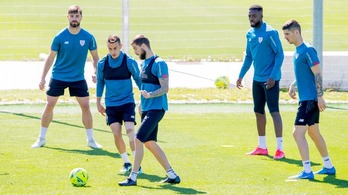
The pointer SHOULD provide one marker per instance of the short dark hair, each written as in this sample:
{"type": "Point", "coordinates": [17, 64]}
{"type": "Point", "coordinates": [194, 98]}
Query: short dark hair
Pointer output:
{"type": "Point", "coordinates": [291, 25]}
{"type": "Point", "coordinates": [74, 9]}
{"type": "Point", "coordinates": [141, 39]}
{"type": "Point", "coordinates": [113, 39]}
{"type": "Point", "coordinates": [256, 7]}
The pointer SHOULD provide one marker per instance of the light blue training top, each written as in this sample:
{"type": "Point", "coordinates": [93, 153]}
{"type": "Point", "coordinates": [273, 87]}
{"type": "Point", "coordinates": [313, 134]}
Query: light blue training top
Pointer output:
{"type": "Point", "coordinates": [305, 57]}
{"type": "Point", "coordinates": [160, 70]}
{"type": "Point", "coordinates": [71, 54]}
{"type": "Point", "coordinates": [117, 92]}
{"type": "Point", "coordinates": [265, 51]}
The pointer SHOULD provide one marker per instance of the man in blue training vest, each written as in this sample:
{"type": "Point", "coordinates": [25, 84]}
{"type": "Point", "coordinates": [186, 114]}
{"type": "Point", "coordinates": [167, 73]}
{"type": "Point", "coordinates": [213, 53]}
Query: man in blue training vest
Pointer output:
{"type": "Point", "coordinates": [154, 104]}
{"type": "Point", "coordinates": [265, 52]}
{"type": "Point", "coordinates": [309, 83]}
{"type": "Point", "coordinates": [114, 74]}
{"type": "Point", "coordinates": [71, 46]}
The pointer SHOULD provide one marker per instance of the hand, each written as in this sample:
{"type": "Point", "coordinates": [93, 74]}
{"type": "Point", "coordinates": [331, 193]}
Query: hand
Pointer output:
{"type": "Point", "coordinates": [94, 78]}
{"type": "Point", "coordinates": [101, 109]}
{"type": "Point", "coordinates": [270, 83]}
{"type": "Point", "coordinates": [145, 94]}
{"type": "Point", "coordinates": [292, 91]}
{"type": "Point", "coordinates": [42, 84]}
{"type": "Point", "coordinates": [321, 104]}
{"type": "Point", "coordinates": [239, 83]}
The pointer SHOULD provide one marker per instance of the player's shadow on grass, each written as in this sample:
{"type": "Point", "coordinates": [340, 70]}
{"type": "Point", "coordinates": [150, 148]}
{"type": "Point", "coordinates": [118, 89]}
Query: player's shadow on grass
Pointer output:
{"type": "Point", "coordinates": [60, 122]}
{"type": "Point", "coordinates": [53, 121]}
{"type": "Point", "coordinates": [331, 179]}
{"type": "Point", "coordinates": [173, 187]}
{"type": "Point", "coordinates": [292, 161]}
{"type": "Point", "coordinates": [92, 152]}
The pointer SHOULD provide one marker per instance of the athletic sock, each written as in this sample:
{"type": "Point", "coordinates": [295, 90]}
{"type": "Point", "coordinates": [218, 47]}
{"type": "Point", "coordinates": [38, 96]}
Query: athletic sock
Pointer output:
{"type": "Point", "coordinates": [125, 157]}
{"type": "Point", "coordinates": [327, 162]}
{"type": "Point", "coordinates": [307, 166]}
{"type": "Point", "coordinates": [43, 131]}
{"type": "Point", "coordinates": [262, 142]}
{"type": "Point", "coordinates": [89, 133]}
{"type": "Point", "coordinates": [133, 176]}
{"type": "Point", "coordinates": [171, 173]}
{"type": "Point", "coordinates": [280, 143]}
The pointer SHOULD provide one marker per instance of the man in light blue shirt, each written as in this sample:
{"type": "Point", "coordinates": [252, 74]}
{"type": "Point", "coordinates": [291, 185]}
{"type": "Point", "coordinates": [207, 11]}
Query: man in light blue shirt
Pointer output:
{"type": "Point", "coordinates": [114, 75]}
{"type": "Point", "coordinates": [309, 81]}
{"type": "Point", "coordinates": [265, 52]}
{"type": "Point", "coordinates": [70, 46]}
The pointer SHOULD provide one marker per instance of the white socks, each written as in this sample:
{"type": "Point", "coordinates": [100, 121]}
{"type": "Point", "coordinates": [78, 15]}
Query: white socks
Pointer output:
{"type": "Point", "coordinates": [262, 142]}
{"type": "Point", "coordinates": [307, 166]}
{"type": "Point", "coordinates": [89, 133]}
{"type": "Point", "coordinates": [327, 162]}
{"type": "Point", "coordinates": [125, 157]}
{"type": "Point", "coordinates": [43, 131]}
{"type": "Point", "coordinates": [280, 143]}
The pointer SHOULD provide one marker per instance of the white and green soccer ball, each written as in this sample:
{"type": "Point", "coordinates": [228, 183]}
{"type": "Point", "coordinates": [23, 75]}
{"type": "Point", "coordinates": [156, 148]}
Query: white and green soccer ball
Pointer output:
{"type": "Point", "coordinates": [78, 177]}
{"type": "Point", "coordinates": [222, 82]}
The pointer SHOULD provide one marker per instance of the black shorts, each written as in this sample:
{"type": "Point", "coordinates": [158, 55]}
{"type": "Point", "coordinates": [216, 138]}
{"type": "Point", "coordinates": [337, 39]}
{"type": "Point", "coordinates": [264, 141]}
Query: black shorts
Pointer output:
{"type": "Point", "coordinates": [121, 113]}
{"type": "Point", "coordinates": [149, 125]}
{"type": "Point", "coordinates": [261, 95]}
{"type": "Point", "coordinates": [76, 88]}
{"type": "Point", "coordinates": [307, 113]}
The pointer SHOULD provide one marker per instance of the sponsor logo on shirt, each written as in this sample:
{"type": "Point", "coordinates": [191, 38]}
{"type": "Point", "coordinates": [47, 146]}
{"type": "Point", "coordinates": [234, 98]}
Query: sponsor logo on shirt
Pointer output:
{"type": "Point", "coordinates": [296, 56]}
{"type": "Point", "coordinates": [82, 42]}
{"type": "Point", "coordinates": [66, 42]}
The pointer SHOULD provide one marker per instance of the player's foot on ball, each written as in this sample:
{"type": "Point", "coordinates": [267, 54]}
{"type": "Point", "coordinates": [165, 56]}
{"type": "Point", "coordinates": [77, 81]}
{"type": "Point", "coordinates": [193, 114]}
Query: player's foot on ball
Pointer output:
{"type": "Point", "coordinates": [128, 182]}
{"type": "Point", "coordinates": [93, 144]}
{"type": "Point", "coordinates": [39, 143]}
{"type": "Point", "coordinates": [176, 180]}
{"type": "Point", "coordinates": [258, 151]}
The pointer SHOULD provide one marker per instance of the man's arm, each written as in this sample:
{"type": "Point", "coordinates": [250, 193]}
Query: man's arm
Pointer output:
{"type": "Point", "coordinates": [48, 65]}
{"type": "Point", "coordinates": [95, 59]}
{"type": "Point", "coordinates": [319, 84]}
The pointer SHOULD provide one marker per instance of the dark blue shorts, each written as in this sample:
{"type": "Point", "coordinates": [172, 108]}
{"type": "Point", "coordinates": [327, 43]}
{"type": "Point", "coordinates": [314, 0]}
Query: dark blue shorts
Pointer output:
{"type": "Point", "coordinates": [149, 125]}
{"type": "Point", "coordinates": [307, 113]}
{"type": "Point", "coordinates": [76, 88]}
{"type": "Point", "coordinates": [261, 96]}
{"type": "Point", "coordinates": [121, 113]}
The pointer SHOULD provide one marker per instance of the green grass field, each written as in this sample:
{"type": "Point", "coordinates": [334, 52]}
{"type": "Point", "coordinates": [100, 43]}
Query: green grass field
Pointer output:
{"type": "Point", "coordinates": [178, 30]}
{"type": "Point", "coordinates": [205, 143]}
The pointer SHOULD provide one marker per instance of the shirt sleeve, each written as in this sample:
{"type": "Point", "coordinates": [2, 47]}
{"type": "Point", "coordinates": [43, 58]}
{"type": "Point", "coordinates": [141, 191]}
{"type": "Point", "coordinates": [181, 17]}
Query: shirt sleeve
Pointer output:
{"type": "Point", "coordinates": [277, 48]}
{"type": "Point", "coordinates": [248, 60]}
{"type": "Point", "coordinates": [134, 69]}
{"type": "Point", "coordinates": [100, 78]}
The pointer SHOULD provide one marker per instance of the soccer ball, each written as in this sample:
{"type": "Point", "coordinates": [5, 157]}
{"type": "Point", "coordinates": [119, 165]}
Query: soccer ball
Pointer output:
{"type": "Point", "coordinates": [78, 177]}
{"type": "Point", "coordinates": [222, 82]}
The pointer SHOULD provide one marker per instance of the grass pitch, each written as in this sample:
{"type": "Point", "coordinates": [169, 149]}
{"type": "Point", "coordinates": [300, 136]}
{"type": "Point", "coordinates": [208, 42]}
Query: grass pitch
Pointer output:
{"type": "Point", "coordinates": [205, 143]}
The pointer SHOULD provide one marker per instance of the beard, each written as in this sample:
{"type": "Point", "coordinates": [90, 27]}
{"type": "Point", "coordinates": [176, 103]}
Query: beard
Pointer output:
{"type": "Point", "coordinates": [142, 56]}
{"type": "Point", "coordinates": [256, 24]}
{"type": "Point", "coordinates": [74, 24]}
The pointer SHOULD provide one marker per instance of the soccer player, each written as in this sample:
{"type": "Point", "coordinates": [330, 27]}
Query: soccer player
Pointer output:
{"type": "Point", "coordinates": [114, 74]}
{"type": "Point", "coordinates": [154, 103]}
{"type": "Point", "coordinates": [265, 51]}
{"type": "Point", "coordinates": [71, 46]}
{"type": "Point", "coordinates": [309, 82]}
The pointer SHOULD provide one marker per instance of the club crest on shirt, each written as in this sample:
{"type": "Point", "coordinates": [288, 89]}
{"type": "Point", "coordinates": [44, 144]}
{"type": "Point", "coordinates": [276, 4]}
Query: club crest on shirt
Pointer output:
{"type": "Point", "coordinates": [296, 56]}
{"type": "Point", "coordinates": [82, 42]}
{"type": "Point", "coordinates": [260, 39]}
